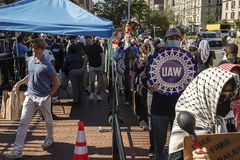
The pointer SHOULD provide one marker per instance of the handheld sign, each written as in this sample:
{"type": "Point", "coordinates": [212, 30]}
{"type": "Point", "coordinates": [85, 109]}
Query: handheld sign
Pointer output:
{"type": "Point", "coordinates": [219, 146]}
{"type": "Point", "coordinates": [172, 69]}
{"type": "Point", "coordinates": [120, 67]}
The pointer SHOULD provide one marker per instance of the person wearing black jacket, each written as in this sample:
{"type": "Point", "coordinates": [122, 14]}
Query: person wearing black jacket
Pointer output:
{"type": "Point", "coordinates": [163, 106]}
{"type": "Point", "coordinates": [73, 68]}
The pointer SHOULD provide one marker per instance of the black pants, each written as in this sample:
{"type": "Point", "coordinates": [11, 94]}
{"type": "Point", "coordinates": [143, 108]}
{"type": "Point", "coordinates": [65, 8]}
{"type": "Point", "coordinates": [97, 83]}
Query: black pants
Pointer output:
{"type": "Point", "coordinates": [127, 86]}
{"type": "Point", "coordinates": [141, 104]}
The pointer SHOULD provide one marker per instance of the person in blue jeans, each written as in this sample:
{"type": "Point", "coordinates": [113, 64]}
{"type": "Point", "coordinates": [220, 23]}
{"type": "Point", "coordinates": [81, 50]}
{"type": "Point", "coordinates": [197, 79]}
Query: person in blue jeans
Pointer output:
{"type": "Point", "coordinates": [163, 106]}
{"type": "Point", "coordinates": [41, 74]}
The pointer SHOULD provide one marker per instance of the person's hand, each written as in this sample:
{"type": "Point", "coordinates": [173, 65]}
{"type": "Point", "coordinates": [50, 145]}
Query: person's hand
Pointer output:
{"type": "Point", "coordinates": [153, 87]}
{"type": "Point", "coordinates": [200, 154]}
{"type": "Point", "coordinates": [16, 87]}
{"type": "Point", "coordinates": [132, 88]}
{"type": "Point", "coordinates": [44, 100]}
{"type": "Point", "coordinates": [143, 75]}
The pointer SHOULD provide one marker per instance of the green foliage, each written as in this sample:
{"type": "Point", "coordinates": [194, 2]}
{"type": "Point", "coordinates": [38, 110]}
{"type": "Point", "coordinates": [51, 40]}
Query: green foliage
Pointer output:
{"type": "Point", "coordinates": [113, 10]}
{"type": "Point", "coordinates": [110, 9]}
{"type": "Point", "coordinates": [208, 19]}
{"type": "Point", "coordinates": [237, 24]}
{"type": "Point", "coordinates": [160, 20]}
{"type": "Point", "coordinates": [224, 22]}
{"type": "Point", "coordinates": [140, 10]}
{"type": "Point", "coordinates": [171, 17]}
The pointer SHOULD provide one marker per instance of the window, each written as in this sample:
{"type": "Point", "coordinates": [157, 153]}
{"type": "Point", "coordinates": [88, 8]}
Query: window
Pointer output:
{"type": "Point", "coordinates": [217, 11]}
{"type": "Point", "coordinates": [226, 16]}
{"type": "Point", "coordinates": [233, 5]}
{"type": "Point", "coordinates": [238, 14]}
{"type": "Point", "coordinates": [209, 1]}
{"type": "Point", "coordinates": [232, 15]}
{"type": "Point", "coordinates": [239, 4]}
{"type": "Point", "coordinates": [226, 5]}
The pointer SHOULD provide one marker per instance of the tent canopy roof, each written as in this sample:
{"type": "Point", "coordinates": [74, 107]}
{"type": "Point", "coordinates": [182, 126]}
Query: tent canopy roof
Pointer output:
{"type": "Point", "coordinates": [54, 17]}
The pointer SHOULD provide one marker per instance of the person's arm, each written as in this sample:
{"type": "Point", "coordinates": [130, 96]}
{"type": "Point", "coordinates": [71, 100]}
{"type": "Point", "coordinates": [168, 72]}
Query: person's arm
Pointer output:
{"type": "Point", "coordinates": [19, 83]}
{"type": "Point", "coordinates": [133, 75]}
{"type": "Point", "coordinates": [56, 85]}
{"type": "Point", "coordinates": [200, 154]}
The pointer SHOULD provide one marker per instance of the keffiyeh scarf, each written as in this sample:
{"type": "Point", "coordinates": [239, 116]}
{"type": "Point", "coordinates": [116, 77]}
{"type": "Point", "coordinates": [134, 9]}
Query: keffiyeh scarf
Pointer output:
{"type": "Point", "coordinates": [204, 49]}
{"type": "Point", "coordinates": [201, 99]}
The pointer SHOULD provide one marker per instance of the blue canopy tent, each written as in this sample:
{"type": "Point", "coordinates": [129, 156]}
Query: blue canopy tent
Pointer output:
{"type": "Point", "coordinates": [54, 17]}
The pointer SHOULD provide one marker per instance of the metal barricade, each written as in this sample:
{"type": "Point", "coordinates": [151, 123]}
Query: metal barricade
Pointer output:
{"type": "Point", "coordinates": [118, 150]}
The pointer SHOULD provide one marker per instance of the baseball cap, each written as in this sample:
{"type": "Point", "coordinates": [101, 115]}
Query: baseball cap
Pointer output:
{"type": "Point", "coordinates": [173, 31]}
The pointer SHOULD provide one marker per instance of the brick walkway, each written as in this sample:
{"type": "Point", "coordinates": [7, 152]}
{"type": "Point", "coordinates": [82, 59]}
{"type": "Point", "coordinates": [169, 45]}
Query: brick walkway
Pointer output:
{"type": "Point", "coordinates": [98, 134]}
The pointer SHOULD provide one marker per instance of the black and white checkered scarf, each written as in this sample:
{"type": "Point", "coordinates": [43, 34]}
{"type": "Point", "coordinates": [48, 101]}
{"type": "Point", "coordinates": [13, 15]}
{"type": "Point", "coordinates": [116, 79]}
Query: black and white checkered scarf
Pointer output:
{"type": "Point", "coordinates": [201, 98]}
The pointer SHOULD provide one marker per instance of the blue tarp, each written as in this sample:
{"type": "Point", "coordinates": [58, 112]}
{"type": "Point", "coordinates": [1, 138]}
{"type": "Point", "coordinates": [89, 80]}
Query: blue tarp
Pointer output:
{"type": "Point", "coordinates": [54, 17]}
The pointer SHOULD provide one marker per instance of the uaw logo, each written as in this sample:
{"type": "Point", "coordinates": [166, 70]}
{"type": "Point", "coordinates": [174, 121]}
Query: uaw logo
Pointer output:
{"type": "Point", "coordinates": [171, 69]}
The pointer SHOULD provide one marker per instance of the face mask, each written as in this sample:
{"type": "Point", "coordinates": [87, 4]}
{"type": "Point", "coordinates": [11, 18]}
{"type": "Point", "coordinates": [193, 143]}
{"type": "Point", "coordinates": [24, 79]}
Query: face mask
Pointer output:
{"type": "Point", "coordinates": [173, 43]}
{"type": "Point", "coordinates": [223, 108]}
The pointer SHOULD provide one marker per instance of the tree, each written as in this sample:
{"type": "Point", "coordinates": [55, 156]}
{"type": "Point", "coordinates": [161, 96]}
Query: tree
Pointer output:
{"type": "Point", "coordinates": [171, 17]}
{"type": "Point", "coordinates": [140, 10]}
{"type": "Point", "coordinates": [237, 24]}
{"type": "Point", "coordinates": [111, 9]}
{"type": "Point", "coordinates": [208, 19]}
{"type": "Point", "coordinates": [115, 9]}
{"type": "Point", "coordinates": [160, 20]}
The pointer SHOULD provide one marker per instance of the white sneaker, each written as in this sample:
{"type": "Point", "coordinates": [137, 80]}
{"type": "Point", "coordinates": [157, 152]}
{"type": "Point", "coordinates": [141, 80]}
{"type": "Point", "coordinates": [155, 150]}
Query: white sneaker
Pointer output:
{"type": "Point", "coordinates": [47, 143]}
{"type": "Point", "coordinates": [99, 98]}
{"type": "Point", "coordinates": [91, 97]}
{"type": "Point", "coordinates": [14, 155]}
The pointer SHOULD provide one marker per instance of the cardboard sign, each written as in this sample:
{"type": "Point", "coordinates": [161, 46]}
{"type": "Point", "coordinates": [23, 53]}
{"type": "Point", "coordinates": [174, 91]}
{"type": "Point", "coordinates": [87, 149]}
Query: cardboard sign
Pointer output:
{"type": "Point", "coordinates": [219, 146]}
{"type": "Point", "coordinates": [172, 69]}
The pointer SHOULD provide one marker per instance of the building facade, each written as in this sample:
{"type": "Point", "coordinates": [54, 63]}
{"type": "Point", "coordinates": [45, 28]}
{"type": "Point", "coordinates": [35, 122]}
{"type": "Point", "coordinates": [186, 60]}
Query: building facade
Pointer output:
{"type": "Point", "coordinates": [169, 4]}
{"type": "Point", "coordinates": [230, 10]}
{"type": "Point", "coordinates": [155, 4]}
{"type": "Point", "coordinates": [194, 13]}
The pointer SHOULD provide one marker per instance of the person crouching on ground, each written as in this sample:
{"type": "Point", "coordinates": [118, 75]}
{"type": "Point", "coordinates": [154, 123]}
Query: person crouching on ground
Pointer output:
{"type": "Point", "coordinates": [41, 74]}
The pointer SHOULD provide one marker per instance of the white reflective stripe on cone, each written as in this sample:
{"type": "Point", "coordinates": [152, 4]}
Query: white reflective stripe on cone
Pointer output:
{"type": "Point", "coordinates": [81, 137]}
{"type": "Point", "coordinates": [80, 150]}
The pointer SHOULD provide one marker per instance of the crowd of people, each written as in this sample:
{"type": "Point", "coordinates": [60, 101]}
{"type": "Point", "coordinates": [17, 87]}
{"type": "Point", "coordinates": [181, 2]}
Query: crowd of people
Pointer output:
{"type": "Point", "coordinates": [80, 59]}
{"type": "Point", "coordinates": [41, 58]}
{"type": "Point", "coordinates": [208, 96]}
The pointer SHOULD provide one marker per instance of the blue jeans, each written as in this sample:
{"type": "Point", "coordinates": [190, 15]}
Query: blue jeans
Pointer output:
{"type": "Point", "coordinates": [160, 128]}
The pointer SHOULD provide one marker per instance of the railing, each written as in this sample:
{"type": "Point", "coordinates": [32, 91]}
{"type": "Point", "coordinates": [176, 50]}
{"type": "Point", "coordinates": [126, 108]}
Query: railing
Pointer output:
{"type": "Point", "coordinates": [6, 70]}
{"type": "Point", "coordinates": [10, 70]}
{"type": "Point", "coordinates": [118, 150]}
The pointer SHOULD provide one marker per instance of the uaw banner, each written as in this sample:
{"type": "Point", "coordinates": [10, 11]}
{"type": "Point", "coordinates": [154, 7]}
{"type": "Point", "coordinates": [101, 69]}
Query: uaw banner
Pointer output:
{"type": "Point", "coordinates": [171, 69]}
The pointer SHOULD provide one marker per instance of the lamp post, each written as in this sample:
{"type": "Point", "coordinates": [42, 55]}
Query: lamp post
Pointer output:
{"type": "Point", "coordinates": [129, 9]}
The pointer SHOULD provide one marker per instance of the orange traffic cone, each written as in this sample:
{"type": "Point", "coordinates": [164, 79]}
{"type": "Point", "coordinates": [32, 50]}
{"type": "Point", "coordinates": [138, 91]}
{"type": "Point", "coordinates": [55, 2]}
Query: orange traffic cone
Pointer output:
{"type": "Point", "coordinates": [80, 151]}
